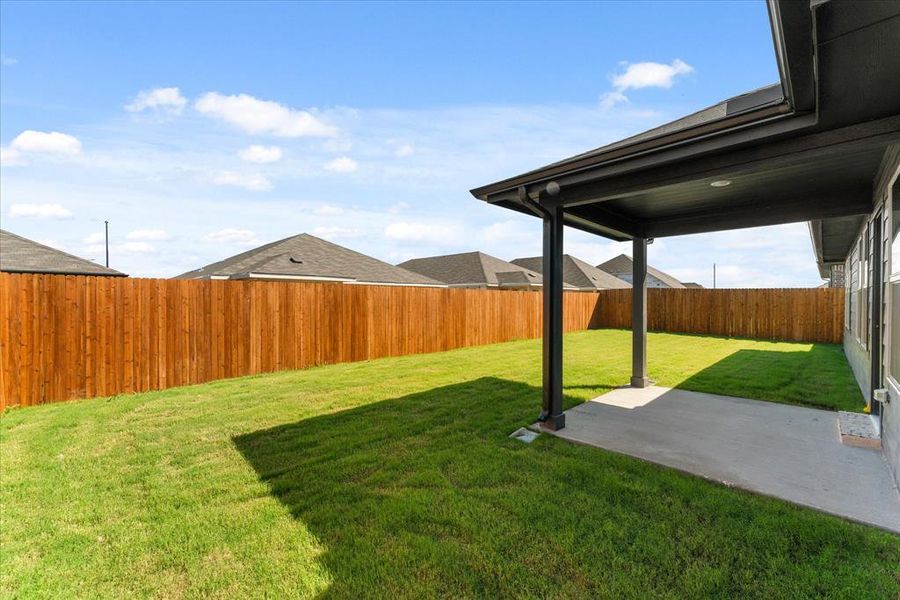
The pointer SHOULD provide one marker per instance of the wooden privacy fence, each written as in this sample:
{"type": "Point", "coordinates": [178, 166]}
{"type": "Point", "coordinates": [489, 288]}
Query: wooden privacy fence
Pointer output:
{"type": "Point", "coordinates": [66, 337]}
{"type": "Point", "coordinates": [794, 314]}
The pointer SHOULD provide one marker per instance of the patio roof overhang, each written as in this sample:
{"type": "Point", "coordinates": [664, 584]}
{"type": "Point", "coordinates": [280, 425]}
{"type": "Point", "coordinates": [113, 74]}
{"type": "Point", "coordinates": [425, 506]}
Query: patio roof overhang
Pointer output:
{"type": "Point", "coordinates": [837, 104]}
{"type": "Point", "coordinates": [805, 149]}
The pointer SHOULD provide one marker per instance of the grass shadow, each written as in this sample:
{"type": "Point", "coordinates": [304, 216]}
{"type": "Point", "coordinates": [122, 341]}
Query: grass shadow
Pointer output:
{"type": "Point", "coordinates": [427, 496]}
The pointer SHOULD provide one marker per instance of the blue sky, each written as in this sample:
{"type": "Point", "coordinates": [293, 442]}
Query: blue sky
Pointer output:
{"type": "Point", "coordinates": [200, 130]}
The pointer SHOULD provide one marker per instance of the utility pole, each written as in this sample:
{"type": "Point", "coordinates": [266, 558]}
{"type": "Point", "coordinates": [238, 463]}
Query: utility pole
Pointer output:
{"type": "Point", "coordinates": [106, 229]}
{"type": "Point", "coordinates": [714, 275]}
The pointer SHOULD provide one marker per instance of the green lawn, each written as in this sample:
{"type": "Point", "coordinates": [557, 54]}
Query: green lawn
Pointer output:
{"type": "Point", "coordinates": [396, 478]}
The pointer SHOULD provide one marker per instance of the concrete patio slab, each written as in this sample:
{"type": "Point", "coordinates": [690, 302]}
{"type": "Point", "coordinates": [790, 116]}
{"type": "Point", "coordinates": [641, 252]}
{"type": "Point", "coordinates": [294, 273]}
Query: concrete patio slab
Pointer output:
{"type": "Point", "coordinates": [788, 452]}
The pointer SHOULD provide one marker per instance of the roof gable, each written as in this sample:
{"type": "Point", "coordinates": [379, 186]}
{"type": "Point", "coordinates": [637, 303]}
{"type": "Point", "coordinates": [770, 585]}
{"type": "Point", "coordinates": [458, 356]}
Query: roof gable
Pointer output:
{"type": "Point", "coordinates": [577, 273]}
{"type": "Point", "coordinates": [305, 255]}
{"type": "Point", "coordinates": [622, 264]}
{"type": "Point", "coordinates": [470, 268]}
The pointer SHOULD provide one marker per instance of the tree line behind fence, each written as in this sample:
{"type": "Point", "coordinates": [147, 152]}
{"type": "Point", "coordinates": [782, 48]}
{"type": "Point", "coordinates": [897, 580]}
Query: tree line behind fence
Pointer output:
{"type": "Point", "coordinates": [67, 337]}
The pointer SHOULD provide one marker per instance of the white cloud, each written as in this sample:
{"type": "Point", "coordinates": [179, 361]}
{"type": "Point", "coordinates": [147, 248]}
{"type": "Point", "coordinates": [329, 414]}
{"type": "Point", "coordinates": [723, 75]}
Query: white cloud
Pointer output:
{"type": "Point", "coordinates": [261, 154]}
{"type": "Point", "coordinates": [405, 150]}
{"type": "Point", "coordinates": [95, 238]}
{"type": "Point", "coordinates": [336, 233]}
{"type": "Point", "coordinates": [40, 211]}
{"type": "Point", "coordinates": [338, 145]}
{"type": "Point", "coordinates": [240, 237]}
{"type": "Point", "coordinates": [253, 182]}
{"type": "Point", "coordinates": [8, 61]}
{"type": "Point", "coordinates": [510, 232]}
{"type": "Point", "coordinates": [136, 247]}
{"type": "Point", "coordinates": [343, 164]}
{"type": "Point", "coordinates": [157, 235]}
{"type": "Point", "coordinates": [650, 74]}
{"type": "Point", "coordinates": [419, 232]}
{"type": "Point", "coordinates": [397, 207]}
{"type": "Point", "coordinates": [643, 75]}
{"type": "Point", "coordinates": [610, 99]}
{"type": "Point", "coordinates": [43, 142]}
{"type": "Point", "coordinates": [595, 252]}
{"type": "Point", "coordinates": [257, 116]}
{"type": "Point", "coordinates": [168, 100]}
{"type": "Point", "coordinates": [327, 210]}
{"type": "Point", "coordinates": [10, 157]}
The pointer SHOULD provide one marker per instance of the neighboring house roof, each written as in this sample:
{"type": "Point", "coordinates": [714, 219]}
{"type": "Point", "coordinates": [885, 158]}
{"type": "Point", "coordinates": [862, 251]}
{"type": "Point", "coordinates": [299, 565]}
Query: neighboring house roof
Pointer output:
{"type": "Point", "coordinates": [577, 273]}
{"type": "Point", "coordinates": [692, 284]}
{"type": "Point", "coordinates": [622, 264]}
{"type": "Point", "coordinates": [473, 269]}
{"type": "Point", "coordinates": [307, 257]}
{"type": "Point", "coordinates": [21, 255]}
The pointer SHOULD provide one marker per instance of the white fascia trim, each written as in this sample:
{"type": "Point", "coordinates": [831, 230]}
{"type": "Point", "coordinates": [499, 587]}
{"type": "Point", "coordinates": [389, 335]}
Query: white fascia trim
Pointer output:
{"type": "Point", "coordinates": [430, 285]}
{"type": "Point", "coordinates": [299, 277]}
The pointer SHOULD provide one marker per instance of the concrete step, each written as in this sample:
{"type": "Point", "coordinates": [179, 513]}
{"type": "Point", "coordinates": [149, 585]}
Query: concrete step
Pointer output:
{"type": "Point", "coordinates": [858, 429]}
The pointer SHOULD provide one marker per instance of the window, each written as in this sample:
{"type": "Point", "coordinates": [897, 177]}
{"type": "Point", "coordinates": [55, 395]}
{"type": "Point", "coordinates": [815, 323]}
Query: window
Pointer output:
{"type": "Point", "coordinates": [847, 293]}
{"type": "Point", "coordinates": [865, 287]}
{"type": "Point", "coordinates": [895, 288]}
{"type": "Point", "coordinates": [852, 290]}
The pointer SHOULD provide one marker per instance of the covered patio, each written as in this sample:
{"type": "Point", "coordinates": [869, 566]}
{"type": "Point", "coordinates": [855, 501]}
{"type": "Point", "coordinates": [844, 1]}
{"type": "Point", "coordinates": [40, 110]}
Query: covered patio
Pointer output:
{"type": "Point", "coordinates": [788, 452]}
{"type": "Point", "coordinates": [807, 148]}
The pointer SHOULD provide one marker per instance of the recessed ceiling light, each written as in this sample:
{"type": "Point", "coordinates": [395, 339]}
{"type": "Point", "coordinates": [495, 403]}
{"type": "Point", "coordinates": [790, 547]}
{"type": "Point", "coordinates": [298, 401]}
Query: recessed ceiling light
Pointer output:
{"type": "Point", "coordinates": [721, 183]}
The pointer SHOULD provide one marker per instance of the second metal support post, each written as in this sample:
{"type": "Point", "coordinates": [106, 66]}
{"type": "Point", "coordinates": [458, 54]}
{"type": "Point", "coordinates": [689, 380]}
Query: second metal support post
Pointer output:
{"type": "Point", "coordinates": [552, 415]}
{"type": "Point", "coordinates": [639, 315]}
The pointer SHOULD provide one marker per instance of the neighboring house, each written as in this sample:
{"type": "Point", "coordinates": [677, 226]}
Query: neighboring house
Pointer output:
{"type": "Point", "coordinates": [307, 258]}
{"type": "Point", "coordinates": [862, 252]}
{"type": "Point", "coordinates": [622, 265]}
{"type": "Point", "coordinates": [21, 255]}
{"type": "Point", "coordinates": [475, 270]}
{"type": "Point", "coordinates": [577, 273]}
{"type": "Point", "coordinates": [693, 285]}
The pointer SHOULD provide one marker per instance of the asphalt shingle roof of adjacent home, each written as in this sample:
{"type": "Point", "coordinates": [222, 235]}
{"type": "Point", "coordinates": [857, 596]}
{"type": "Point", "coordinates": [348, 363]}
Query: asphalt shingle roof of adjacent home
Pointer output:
{"type": "Point", "coordinates": [305, 255]}
{"type": "Point", "coordinates": [473, 269]}
{"type": "Point", "coordinates": [623, 264]}
{"type": "Point", "coordinates": [21, 255]}
{"type": "Point", "coordinates": [578, 273]}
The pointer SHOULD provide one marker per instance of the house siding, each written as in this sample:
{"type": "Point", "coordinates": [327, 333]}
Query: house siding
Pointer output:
{"type": "Point", "coordinates": [652, 282]}
{"type": "Point", "coordinates": [859, 311]}
{"type": "Point", "coordinates": [888, 190]}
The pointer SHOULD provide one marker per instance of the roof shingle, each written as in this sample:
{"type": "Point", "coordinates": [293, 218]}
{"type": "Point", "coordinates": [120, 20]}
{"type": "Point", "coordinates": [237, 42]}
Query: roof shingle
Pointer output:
{"type": "Point", "coordinates": [21, 255]}
{"type": "Point", "coordinates": [472, 269]}
{"type": "Point", "coordinates": [577, 273]}
{"type": "Point", "coordinates": [305, 255]}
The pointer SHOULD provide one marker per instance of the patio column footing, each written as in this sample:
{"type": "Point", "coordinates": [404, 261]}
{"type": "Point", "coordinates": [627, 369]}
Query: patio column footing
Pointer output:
{"type": "Point", "coordinates": [641, 382]}
{"type": "Point", "coordinates": [553, 422]}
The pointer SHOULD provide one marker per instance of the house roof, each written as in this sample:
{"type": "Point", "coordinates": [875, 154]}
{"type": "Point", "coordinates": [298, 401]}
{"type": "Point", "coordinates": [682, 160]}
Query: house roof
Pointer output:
{"type": "Point", "coordinates": [577, 273]}
{"type": "Point", "coordinates": [693, 285]}
{"type": "Point", "coordinates": [472, 269]}
{"type": "Point", "coordinates": [622, 264]}
{"type": "Point", "coordinates": [306, 256]}
{"type": "Point", "coordinates": [21, 255]}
